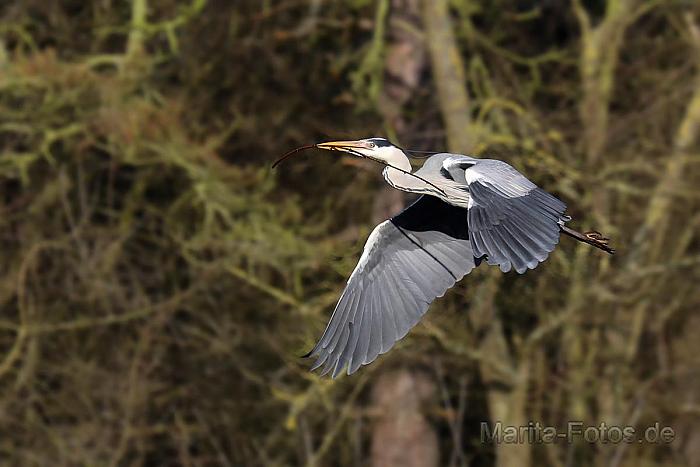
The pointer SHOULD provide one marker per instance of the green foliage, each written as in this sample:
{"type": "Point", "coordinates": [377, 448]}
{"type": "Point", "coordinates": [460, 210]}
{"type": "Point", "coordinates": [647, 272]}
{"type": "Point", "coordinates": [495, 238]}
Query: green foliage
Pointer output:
{"type": "Point", "coordinates": [158, 280]}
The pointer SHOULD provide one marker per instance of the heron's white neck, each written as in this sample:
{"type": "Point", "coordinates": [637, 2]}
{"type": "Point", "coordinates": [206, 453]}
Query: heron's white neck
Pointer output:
{"type": "Point", "coordinates": [398, 173]}
{"type": "Point", "coordinates": [395, 157]}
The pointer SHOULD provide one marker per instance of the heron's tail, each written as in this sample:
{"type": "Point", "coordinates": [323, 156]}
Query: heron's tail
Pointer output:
{"type": "Point", "coordinates": [593, 238]}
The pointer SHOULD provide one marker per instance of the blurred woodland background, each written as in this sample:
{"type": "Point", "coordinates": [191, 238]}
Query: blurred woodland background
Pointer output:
{"type": "Point", "coordinates": [158, 281]}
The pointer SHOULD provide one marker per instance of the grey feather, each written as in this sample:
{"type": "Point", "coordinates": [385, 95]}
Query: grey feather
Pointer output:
{"type": "Point", "coordinates": [511, 221]}
{"type": "Point", "coordinates": [486, 209]}
{"type": "Point", "coordinates": [396, 279]}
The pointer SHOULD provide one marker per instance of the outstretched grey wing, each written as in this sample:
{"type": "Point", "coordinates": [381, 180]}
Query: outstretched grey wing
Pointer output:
{"type": "Point", "coordinates": [511, 221]}
{"type": "Point", "coordinates": [407, 263]}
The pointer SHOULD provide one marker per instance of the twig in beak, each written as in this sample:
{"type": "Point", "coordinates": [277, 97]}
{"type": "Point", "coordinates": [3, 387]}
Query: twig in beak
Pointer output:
{"type": "Point", "coordinates": [292, 152]}
{"type": "Point", "coordinates": [355, 153]}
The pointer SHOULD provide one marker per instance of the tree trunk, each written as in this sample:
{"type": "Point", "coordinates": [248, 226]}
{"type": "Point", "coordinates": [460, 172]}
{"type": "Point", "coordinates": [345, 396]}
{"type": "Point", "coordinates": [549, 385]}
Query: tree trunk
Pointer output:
{"type": "Point", "coordinates": [448, 74]}
{"type": "Point", "coordinates": [402, 435]}
{"type": "Point", "coordinates": [505, 405]}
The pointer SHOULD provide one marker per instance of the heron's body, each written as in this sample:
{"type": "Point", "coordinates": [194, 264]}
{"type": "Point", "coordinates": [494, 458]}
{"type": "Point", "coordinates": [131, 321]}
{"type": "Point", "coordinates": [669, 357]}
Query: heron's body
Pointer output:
{"type": "Point", "coordinates": [471, 210]}
{"type": "Point", "coordinates": [453, 191]}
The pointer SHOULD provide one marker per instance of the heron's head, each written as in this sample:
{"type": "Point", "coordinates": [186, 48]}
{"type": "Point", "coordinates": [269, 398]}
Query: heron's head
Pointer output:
{"type": "Point", "coordinates": [376, 149]}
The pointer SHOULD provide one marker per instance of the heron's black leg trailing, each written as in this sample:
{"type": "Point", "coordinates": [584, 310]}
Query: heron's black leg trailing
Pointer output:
{"type": "Point", "coordinates": [593, 238]}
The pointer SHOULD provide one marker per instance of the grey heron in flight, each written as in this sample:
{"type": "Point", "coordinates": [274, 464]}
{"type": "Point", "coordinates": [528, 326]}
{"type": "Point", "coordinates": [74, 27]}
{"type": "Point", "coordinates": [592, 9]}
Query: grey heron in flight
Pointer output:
{"type": "Point", "coordinates": [471, 210]}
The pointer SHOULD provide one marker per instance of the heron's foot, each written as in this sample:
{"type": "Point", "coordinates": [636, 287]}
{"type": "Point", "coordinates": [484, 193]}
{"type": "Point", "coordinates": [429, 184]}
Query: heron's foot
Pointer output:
{"type": "Point", "coordinates": [596, 237]}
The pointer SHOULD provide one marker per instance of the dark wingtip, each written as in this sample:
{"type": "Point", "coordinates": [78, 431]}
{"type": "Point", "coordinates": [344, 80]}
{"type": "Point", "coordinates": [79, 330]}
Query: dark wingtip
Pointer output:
{"type": "Point", "coordinates": [308, 354]}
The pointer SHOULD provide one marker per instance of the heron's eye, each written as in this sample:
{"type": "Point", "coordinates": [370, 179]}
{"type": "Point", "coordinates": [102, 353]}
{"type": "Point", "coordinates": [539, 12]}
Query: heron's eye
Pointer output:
{"type": "Point", "coordinates": [372, 145]}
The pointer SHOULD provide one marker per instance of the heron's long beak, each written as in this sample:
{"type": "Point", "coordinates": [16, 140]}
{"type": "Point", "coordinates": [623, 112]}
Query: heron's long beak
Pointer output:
{"type": "Point", "coordinates": [345, 146]}
{"type": "Point", "coordinates": [351, 147]}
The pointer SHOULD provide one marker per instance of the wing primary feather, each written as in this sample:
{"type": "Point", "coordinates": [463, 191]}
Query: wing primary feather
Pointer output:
{"type": "Point", "coordinates": [345, 300]}
{"type": "Point", "coordinates": [320, 361]}
{"type": "Point", "coordinates": [348, 317]}
{"type": "Point", "coordinates": [403, 295]}
{"type": "Point", "coordinates": [376, 339]}
{"type": "Point", "coordinates": [347, 350]}
{"type": "Point", "coordinates": [359, 319]}
{"type": "Point", "coordinates": [410, 275]}
{"type": "Point", "coordinates": [429, 253]}
{"type": "Point", "coordinates": [387, 310]}
{"type": "Point", "coordinates": [389, 331]}
{"type": "Point", "coordinates": [398, 277]}
{"type": "Point", "coordinates": [510, 253]}
{"type": "Point", "coordinates": [408, 261]}
{"type": "Point", "coordinates": [527, 240]}
{"type": "Point", "coordinates": [363, 343]}
{"type": "Point", "coordinates": [532, 248]}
